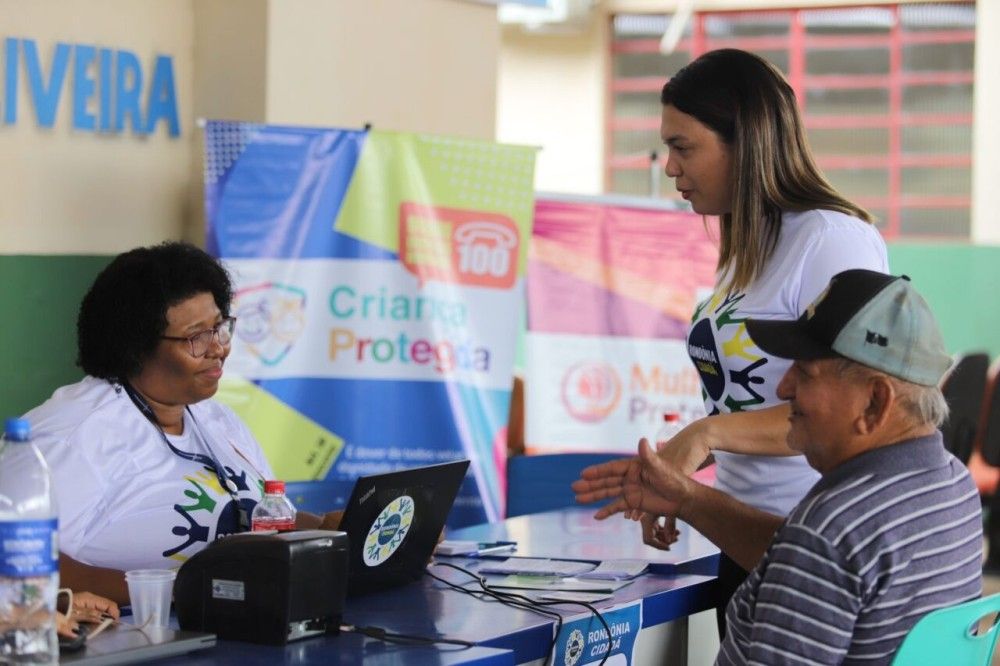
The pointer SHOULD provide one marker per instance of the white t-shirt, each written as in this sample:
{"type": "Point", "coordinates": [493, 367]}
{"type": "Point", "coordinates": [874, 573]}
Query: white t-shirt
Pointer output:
{"type": "Point", "coordinates": [126, 501]}
{"type": "Point", "coordinates": [812, 247]}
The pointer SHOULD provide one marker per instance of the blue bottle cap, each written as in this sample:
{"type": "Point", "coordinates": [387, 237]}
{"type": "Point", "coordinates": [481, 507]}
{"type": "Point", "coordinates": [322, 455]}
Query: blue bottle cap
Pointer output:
{"type": "Point", "coordinates": [17, 429]}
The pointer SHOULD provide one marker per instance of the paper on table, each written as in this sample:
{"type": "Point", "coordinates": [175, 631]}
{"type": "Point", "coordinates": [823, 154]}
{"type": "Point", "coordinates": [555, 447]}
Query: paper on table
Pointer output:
{"type": "Point", "coordinates": [536, 567]}
{"type": "Point", "coordinates": [585, 597]}
{"type": "Point", "coordinates": [617, 570]}
{"type": "Point", "coordinates": [475, 548]}
{"type": "Point", "coordinates": [555, 583]}
{"type": "Point", "coordinates": [447, 547]}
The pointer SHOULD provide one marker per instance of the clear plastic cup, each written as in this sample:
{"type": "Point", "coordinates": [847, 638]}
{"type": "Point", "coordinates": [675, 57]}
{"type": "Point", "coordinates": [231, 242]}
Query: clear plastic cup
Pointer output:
{"type": "Point", "coordinates": [150, 592]}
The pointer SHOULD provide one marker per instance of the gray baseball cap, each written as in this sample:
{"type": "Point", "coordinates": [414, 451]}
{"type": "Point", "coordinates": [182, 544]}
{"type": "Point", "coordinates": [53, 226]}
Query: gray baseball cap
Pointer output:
{"type": "Point", "coordinates": [875, 319]}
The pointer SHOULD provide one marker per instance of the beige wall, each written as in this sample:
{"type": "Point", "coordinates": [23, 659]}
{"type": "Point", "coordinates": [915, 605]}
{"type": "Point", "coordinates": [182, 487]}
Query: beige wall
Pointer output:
{"type": "Point", "coordinates": [986, 132]}
{"type": "Point", "coordinates": [412, 65]}
{"type": "Point", "coordinates": [230, 49]}
{"type": "Point", "coordinates": [551, 93]}
{"type": "Point", "coordinates": [436, 66]}
{"type": "Point", "coordinates": [67, 191]}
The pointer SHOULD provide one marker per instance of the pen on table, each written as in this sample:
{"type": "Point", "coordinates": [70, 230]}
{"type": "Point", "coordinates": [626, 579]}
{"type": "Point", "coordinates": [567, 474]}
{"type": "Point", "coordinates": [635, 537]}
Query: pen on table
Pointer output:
{"type": "Point", "coordinates": [498, 547]}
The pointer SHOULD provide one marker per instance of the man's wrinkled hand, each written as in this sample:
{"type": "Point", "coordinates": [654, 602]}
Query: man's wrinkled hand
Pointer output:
{"type": "Point", "coordinates": [643, 484]}
{"type": "Point", "coordinates": [601, 482]}
{"type": "Point", "coordinates": [659, 531]}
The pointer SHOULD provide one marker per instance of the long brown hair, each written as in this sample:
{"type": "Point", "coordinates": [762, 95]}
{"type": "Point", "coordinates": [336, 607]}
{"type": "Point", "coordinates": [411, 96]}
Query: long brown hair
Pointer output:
{"type": "Point", "coordinates": [747, 102]}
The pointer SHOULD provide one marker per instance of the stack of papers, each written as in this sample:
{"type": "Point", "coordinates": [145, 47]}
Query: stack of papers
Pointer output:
{"type": "Point", "coordinates": [616, 570]}
{"type": "Point", "coordinates": [556, 584]}
{"type": "Point", "coordinates": [575, 597]}
{"type": "Point", "coordinates": [536, 567]}
{"type": "Point", "coordinates": [474, 548]}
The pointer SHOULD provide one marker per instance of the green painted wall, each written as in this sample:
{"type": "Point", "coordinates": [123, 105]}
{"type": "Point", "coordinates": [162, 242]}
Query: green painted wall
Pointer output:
{"type": "Point", "coordinates": [962, 285]}
{"type": "Point", "coordinates": [39, 298]}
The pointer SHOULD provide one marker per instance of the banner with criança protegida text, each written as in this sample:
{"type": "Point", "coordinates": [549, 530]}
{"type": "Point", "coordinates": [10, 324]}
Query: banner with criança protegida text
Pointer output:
{"type": "Point", "coordinates": [379, 279]}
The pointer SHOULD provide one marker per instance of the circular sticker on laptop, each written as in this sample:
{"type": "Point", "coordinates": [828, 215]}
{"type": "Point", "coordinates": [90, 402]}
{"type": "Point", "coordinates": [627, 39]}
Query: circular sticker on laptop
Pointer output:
{"type": "Point", "coordinates": [388, 531]}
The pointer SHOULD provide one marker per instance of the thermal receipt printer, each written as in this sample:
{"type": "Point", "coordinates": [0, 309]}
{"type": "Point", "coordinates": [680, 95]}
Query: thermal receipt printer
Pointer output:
{"type": "Point", "coordinates": [266, 588]}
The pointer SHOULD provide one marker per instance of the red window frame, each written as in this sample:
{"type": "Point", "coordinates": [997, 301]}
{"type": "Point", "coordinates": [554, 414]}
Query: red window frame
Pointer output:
{"type": "Point", "coordinates": [797, 42]}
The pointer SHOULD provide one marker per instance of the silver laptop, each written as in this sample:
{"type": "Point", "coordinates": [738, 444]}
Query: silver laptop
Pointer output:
{"type": "Point", "coordinates": [125, 644]}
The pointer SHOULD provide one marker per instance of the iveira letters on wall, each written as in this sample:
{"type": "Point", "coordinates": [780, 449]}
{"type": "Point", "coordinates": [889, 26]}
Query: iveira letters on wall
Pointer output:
{"type": "Point", "coordinates": [107, 88]}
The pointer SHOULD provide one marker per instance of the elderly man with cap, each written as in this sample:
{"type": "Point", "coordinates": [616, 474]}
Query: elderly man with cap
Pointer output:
{"type": "Point", "coordinates": [891, 531]}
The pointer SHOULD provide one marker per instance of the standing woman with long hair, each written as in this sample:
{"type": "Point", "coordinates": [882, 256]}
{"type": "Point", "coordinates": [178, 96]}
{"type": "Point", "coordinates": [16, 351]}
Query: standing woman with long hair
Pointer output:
{"type": "Point", "coordinates": [737, 150]}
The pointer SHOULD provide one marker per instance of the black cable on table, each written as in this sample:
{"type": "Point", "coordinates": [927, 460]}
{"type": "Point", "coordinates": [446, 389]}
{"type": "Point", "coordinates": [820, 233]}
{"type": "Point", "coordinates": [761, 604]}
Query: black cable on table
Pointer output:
{"type": "Point", "coordinates": [522, 601]}
{"type": "Point", "coordinates": [405, 639]}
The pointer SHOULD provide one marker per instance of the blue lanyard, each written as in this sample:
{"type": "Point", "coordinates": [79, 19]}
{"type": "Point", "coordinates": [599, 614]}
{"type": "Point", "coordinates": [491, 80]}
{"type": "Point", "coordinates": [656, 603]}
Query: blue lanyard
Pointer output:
{"type": "Point", "coordinates": [209, 461]}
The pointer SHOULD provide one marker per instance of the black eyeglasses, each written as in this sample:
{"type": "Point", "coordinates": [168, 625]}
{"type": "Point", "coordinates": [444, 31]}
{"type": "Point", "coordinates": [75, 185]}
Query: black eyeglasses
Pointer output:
{"type": "Point", "coordinates": [202, 340]}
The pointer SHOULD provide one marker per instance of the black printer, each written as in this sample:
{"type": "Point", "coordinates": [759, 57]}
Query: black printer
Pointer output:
{"type": "Point", "coordinates": [266, 588]}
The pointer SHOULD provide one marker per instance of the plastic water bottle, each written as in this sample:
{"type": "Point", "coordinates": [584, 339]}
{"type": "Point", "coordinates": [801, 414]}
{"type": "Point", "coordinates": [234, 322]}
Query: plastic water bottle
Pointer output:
{"type": "Point", "coordinates": [275, 511]}
{"type": "Point", "coordinates": [29, 551]}
{"type": "Point", "coordinates": [671, 425]}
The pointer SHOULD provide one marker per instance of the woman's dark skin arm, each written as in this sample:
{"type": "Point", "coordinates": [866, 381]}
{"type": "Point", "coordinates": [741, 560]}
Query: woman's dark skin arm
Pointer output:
{"type": "Point", "coordinates": [87, 607]}
{"type": "Point", "coordinates": [108, 583]}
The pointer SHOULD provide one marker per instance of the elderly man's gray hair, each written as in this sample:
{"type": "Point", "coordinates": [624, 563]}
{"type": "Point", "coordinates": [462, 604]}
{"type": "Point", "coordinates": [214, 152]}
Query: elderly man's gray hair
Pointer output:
{"type": "Point", "coordinates": [926, 404]}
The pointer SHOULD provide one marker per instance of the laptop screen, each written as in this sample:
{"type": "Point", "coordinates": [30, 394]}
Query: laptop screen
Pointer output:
{"type": "Point", "coordinates": [393, 521]}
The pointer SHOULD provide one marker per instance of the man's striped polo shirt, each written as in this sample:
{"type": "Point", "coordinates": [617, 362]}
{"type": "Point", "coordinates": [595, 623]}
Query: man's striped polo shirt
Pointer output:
{"type": "Point", "coordinates": [880, 541]}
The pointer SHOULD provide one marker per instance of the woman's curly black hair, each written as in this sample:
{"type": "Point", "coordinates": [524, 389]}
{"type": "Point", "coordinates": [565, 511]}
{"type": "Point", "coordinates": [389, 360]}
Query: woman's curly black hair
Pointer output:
{"type": "Point", "coordinates": [125, 312]}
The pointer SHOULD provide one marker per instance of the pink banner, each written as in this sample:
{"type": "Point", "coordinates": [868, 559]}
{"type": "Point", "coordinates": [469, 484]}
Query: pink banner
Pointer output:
{"type": "Point", "coordinates": [611, 290]}
{"type": "Point", "coordinates": [608, 270]}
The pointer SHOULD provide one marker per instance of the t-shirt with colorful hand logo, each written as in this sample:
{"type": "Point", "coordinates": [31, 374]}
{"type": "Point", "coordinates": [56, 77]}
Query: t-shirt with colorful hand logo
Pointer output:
{"type": "Point", "coordinates": [125, 500]}
{"type": "Point", "coordinates": [812, 247]}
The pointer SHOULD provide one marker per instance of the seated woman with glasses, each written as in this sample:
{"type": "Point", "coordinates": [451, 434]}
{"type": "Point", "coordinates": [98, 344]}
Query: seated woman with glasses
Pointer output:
{"type": "Point", "coordinates": [146, 468]}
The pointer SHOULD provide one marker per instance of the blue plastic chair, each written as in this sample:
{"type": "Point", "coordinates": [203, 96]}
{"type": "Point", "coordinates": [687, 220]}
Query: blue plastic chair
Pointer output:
{"type": "Point", "coordinates": [542, 483]}
{"type": "Point", "coordinates": [949, 636]}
